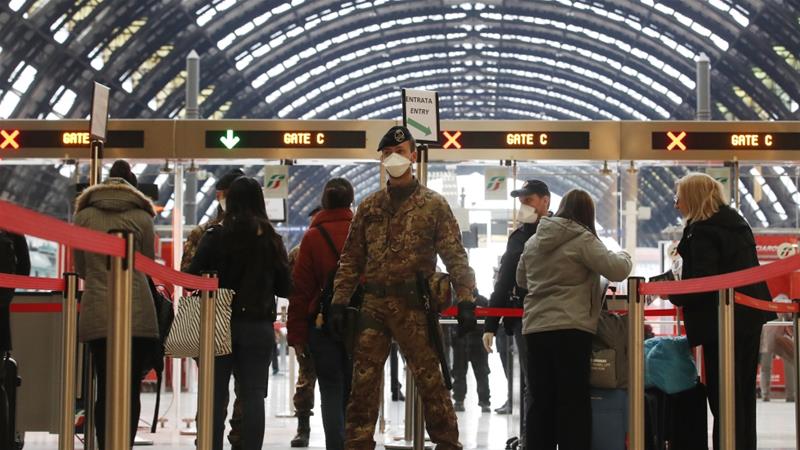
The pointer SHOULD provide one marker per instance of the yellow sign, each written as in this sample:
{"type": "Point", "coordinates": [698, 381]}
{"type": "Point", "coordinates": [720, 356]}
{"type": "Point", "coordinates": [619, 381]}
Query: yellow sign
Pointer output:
{"type": "Point", "coordinates": [526, 139]}
{"type": "Point", "coordinates": [303, 138]}
{"type": "Point", "coordinates": [75, 138]}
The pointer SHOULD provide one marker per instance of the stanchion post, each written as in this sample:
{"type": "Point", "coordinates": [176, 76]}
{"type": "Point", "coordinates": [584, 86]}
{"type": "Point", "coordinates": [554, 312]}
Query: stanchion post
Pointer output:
{"type": "Point", "coordinates": [69, 342]}
{"type": "Point", "coordinates": [419, 422]}
{"type": "Point", "coordinates": [727, 380]}
{"type": "Point", "coordinates": [205, 396]}
{"type": "Point", "coordinates": [635, 364]}
{"type": "Point", "coordinates": [796, 375]}
{"type": "Point", "coordinates": [96, 162]}
{"type": "Point", "coordinates": [411, 399]}
{"type": "Point", "coordinates": [88, 398]}
{"type": "Point", "coordinates": [118, 348]}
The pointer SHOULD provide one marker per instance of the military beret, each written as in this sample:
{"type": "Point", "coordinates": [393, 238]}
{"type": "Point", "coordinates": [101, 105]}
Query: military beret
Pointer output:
{"type": "Point", "coordinates": [395, 136]}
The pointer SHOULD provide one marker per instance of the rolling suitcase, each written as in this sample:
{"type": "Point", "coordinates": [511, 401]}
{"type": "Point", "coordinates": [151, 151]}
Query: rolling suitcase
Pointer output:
{"type": "Point", "coordinates": [609, 419]}
{"type": "Point", "coordinates": [676, 421]}
{"type": "Point", "coordinates": [9, 382]}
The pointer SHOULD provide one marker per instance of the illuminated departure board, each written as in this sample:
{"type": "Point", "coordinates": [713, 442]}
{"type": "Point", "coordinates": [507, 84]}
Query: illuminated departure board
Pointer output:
{"type": "Point", "coordinates": [681, 141]}
{"type": "Point", "coordinates": [530, 140]}
{"type": "Point", "coordinates": [17, 139]}
{"type": "Point", "coordinates": [237, 139]}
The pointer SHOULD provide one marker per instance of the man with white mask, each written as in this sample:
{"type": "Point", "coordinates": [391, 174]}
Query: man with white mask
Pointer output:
{"type": "Point", "coordinates": [534, 199]}
{"type": "Point", "coordinates": [394, 240]}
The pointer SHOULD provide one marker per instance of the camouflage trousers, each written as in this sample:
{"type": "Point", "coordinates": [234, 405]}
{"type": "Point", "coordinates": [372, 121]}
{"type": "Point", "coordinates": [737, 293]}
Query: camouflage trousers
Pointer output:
{"type": "Point", "coordinates": [303, 399]}
{"type": "Point", "coordinates": [407, 324]}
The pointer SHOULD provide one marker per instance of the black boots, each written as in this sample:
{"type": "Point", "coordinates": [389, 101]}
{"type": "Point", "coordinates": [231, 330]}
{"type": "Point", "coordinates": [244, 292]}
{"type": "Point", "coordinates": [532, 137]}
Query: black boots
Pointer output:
{"type": "Point", "coordinates": [303, 429]}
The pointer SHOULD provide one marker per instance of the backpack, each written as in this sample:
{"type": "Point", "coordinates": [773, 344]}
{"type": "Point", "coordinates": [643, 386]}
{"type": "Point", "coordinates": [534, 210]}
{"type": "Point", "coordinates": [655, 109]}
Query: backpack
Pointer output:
{"type": "Point", "coordinates": [326, 294]}
{"type": "Point", "coordinates": [155, 361]}
{"type": "Point", "coordinates": [8, 257]}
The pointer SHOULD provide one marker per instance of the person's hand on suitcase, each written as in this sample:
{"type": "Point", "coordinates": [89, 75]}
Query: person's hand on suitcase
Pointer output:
{"type": "Point", "coordinates": [488, 340]}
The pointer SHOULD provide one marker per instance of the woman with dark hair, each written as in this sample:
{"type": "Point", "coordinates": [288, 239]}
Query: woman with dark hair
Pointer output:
{"type": "Point", "coordinates": [250, 258]}
{"type": "Point", "coordinates": [561, 267]}
{"type": "Point", "coordinates": [318, 257]}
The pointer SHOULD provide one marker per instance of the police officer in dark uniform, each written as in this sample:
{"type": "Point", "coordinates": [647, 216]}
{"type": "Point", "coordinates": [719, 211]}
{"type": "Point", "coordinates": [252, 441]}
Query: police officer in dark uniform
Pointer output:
{"type": "Point", "coordinates": [534, 198]}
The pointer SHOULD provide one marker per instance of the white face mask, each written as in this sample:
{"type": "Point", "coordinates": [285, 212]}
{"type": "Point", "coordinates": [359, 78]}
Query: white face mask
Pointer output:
{"type": "Point", "coordinates": [396, 165]}
{"type": "Point", "coordinates": [222, 203]}
{"type": "Point", "coordinates": [527, 214]}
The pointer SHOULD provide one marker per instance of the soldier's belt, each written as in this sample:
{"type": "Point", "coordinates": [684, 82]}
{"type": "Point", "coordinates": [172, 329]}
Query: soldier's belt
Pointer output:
{"type": "Point", "coordinates": [402, 289]}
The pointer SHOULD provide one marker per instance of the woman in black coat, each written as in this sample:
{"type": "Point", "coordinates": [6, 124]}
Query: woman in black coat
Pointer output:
{"type": "Point", "coordinates": [717, 240]}
{"type": "Point", "coordinates": [251, 259]}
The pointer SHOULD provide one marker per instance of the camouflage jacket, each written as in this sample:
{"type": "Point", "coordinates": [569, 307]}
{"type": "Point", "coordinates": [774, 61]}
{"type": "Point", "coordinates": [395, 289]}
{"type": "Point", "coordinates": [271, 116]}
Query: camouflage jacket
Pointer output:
{"type": "Point", "coordinates": [387, 246]}
{"type": "Point", "coordinates": [190, 246]}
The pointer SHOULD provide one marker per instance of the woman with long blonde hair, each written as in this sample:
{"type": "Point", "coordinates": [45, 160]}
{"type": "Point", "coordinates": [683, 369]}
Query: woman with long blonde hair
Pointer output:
{"type": "Point", "coordinates": [716, 240]}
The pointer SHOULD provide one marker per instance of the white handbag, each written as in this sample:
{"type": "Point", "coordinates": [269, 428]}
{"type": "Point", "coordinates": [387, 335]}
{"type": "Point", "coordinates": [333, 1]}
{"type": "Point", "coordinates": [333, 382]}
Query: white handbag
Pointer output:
{"type": "Point", "coordinates": [183, 340]}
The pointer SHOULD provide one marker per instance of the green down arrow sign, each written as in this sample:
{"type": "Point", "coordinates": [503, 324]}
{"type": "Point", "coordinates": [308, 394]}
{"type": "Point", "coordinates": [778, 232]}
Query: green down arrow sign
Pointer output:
{"type": "Point", "coordinates": [229, 140]}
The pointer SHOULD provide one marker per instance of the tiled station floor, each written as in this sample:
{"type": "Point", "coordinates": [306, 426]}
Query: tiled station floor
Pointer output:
{"type": "Point", "coordinates": [478, 430]}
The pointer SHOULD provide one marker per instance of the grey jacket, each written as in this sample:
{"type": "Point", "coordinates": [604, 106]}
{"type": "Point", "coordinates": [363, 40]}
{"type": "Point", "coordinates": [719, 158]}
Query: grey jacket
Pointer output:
{"type": "Point", "coordinates": [561, 267]}
{"type": "Point", "coordinates": [114, 204]}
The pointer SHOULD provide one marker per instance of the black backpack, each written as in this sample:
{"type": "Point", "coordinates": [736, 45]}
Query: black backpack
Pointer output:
{"type": "Point", "coordinates": [8, 257]}
{"type": "Point", "coordinates": [326, 294]}
{"type": "Point", "coordinates": [155, 361]}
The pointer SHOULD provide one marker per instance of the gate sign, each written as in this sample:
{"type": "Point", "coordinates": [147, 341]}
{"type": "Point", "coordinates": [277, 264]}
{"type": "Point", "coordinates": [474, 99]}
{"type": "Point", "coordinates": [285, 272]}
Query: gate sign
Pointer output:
{"type": "Point", "coordinates": [421, 114]}
{"type": "Point", "coordinates": [496, 183]}
{"type": "Point", "coordinates": [276, 181]}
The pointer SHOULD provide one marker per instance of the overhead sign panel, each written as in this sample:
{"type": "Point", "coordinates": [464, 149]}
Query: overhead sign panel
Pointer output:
{"type": "Point", "coordinates": [533, 140]}
{"type": "Point", "coordinates": [241, 139]}
{"type": "Point", "coordinates": [681, 141]}
{"type": "Point", "coordinates": [421, 114]}
{"type": "Point", "coordinates": [17, 139]}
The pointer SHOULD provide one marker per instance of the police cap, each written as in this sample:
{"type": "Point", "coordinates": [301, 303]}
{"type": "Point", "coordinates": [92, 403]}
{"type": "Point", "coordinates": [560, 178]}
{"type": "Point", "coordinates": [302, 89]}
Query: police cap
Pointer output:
{"type": "Point", "coordinates": [395, 136]}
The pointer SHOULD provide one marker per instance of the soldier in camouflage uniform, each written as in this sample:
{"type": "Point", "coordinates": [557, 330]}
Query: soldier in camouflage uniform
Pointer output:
{"type": "Point", "coordinates": [303, 398]}
{"type": "Point", "coordinates": [397, 232]}
{"type": "Point", "coordinates": [189, 250]}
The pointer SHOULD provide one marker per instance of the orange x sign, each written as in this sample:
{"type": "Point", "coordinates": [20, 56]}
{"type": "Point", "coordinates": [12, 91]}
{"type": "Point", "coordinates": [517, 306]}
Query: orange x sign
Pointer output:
{"type": "Point", "coordinates": [9, 139]}
{"type": "Point", "coordinates": [452, 139]}
{"type": "Point", "coordinates": [676, 141]}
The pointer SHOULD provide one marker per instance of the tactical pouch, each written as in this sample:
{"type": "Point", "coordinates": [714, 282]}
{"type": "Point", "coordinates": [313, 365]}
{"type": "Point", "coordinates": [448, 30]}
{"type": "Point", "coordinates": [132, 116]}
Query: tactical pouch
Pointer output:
{"type": "Point", "coordinates": [352, 328]}
{"type": "Point", "coordinates": [441, 291]}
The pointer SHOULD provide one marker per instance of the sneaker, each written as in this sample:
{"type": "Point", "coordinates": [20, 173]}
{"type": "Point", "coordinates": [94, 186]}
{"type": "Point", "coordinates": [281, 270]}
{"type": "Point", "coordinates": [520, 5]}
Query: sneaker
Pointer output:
{"type": "Point", "coordinates": [789, 399]}
{"type": "Point", "coordinates": [458, 406]}
{"type": "Point", "coordinates": [398, 397]}
{"type": "Point", "coordinates": [766, 398]}
{"type": "Point", "coordinates": [485, 408]}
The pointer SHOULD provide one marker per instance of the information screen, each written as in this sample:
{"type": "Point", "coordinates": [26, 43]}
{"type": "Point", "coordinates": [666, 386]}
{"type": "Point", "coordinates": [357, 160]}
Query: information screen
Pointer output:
{"type": "Point", "coordinates": [235, 139]}
{"type": "Point", "coordinates": [682, 141]}
{"type": "Point", "coordinates": [532, 140]}
{"type": "Point", "coordinates": [16, 139]}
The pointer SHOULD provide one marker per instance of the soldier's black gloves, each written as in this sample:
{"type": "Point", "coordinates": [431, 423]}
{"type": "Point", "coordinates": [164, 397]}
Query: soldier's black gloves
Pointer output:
{"type": "Point", "coordinates": [466, 317]}
{"type": "Point", "coordinates": [336, 320]}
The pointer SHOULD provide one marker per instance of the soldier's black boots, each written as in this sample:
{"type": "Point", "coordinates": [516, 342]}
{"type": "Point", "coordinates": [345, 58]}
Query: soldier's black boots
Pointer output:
{"type": "Point", "coordinates": [303, 430]}
{"type": "Point", "coordinates": [466, 317]}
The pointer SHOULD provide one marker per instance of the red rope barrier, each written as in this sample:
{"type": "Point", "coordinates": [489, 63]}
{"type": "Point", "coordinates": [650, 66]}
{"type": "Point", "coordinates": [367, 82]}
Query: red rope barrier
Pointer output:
{"type": "Point", "coordinates": [154, 269]}
{"type": "Point", "coordinates": [751, 302]}
{"type": "Point", "coordinates": [517, 312]}
{"type": "Point", "coordinates": [19, 220]}
{"type": "Point", "coordinates": [728, 280]}
{"type": "Point", "coordinates": [33, 283]}
{"type": "Point", "coordinates": [36, 308]}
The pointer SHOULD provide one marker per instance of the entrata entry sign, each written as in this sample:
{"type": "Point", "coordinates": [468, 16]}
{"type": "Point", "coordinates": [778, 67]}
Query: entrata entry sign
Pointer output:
{"type": "Point", "coordinates": [421, 114]}
{"type": "Point", "coordinates": [681, 141]}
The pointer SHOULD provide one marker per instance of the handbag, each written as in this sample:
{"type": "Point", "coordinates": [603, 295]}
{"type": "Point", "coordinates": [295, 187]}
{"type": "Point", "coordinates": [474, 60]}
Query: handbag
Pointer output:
{"type": "Point", "coordinates": [183, 340]}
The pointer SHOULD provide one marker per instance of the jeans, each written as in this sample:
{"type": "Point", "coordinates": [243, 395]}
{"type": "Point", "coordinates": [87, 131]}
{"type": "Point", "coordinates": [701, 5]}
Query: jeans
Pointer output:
{"type": "Point", "coordinates": [252, 348]}
{"type": "Point", "coordinates": [561, 413]}
{"type": "Point", "coordinates": [139, 347]}
{"type": "Point", "coordinates": [334, 375]}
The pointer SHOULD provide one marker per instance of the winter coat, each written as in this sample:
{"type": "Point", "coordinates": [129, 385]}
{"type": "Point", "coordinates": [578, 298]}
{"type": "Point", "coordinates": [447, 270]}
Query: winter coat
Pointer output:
{"type": "Point", "coordinates": [114, 205]}
{"type": "Point", "coordinates": [561, 267]}
{"type": "Point", "coordinates": [722, 243]}
{"type": "Point", "coordinates": [313, 265]}
{"type": "Point", "coordinates": [256, 272]}
{"type": "Point", "coordinates": [507, 274]}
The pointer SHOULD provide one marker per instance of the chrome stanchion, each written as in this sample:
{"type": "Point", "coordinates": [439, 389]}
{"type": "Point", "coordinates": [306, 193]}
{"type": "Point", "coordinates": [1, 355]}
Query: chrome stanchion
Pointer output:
{"type": "Point", "coordinates": [118, 348]}
{"type": "Point", "coordinates": [205, 394]}
{"type": "Point", "coordinates": [635, 364]}
{"type": "Point", "coordinates": [419, 422]}
{"type": "Point", "coordinates": [69, 333]}
{"type": "Point", "coordinates": [727, 380]}
{"type": "Point", "coordinates": [411, 400]}
{"type": "Point", "coordinates": [796, 375]}
{"type": "Point", "coordinates": [88, 399]}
